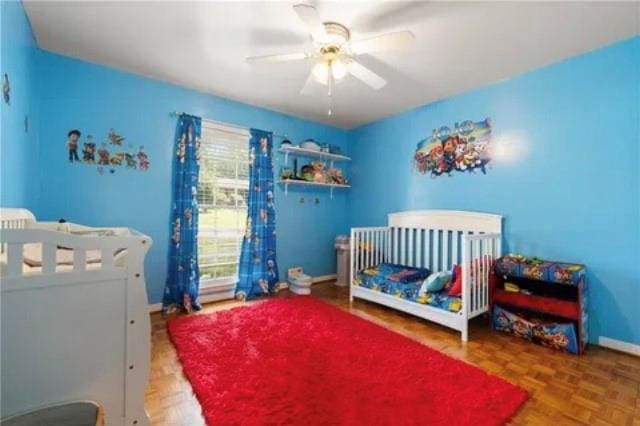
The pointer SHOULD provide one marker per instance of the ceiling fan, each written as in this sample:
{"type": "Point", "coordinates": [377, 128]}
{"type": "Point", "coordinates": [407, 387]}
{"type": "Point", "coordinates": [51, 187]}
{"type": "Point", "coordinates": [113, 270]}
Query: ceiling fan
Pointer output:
{"type": "Point", "coordinates": [336, 52]}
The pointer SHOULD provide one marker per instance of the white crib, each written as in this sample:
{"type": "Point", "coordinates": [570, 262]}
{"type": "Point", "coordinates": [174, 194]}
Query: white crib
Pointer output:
{"type": "Point", "coordinates": [74, 331]}
{"type": "Point", "coordinates": [437, 240]}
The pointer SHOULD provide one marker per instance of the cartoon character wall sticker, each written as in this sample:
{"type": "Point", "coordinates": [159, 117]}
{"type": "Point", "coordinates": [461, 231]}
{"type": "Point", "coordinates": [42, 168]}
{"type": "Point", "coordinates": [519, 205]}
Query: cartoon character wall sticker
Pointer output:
{"type": "Point", "coordinates": [72, 144]}
{"type": "Point", "coordinates": [465, 148]}
{"type": "Point", "coordinates": [110, 153]}
{"type": "Point", "coordinates": [6, 89]}
{"type": "Point", "coordinates": [89, 151]}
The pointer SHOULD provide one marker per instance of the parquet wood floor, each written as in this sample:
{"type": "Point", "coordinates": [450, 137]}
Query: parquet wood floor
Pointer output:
{"type": "Point", "coordinates": [601, 387]}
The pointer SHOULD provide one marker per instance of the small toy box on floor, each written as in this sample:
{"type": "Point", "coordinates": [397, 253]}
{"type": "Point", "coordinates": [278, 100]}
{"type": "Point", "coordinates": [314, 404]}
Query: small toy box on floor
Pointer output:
{"type": "Point", "coordinates": [299, 282]}
{"type": "Point", "coordinates": [540, 300]}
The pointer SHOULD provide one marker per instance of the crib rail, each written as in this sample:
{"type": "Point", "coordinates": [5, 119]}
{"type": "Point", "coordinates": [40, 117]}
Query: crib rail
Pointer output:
{"type": "Point", "coordinates": [50, 240]}
{"type": "Point", "coordinates": [369, 247]}
{"type": "Point", "coordinates": [479, 253]}
{"type": "Point", "coordinates": [14, 219]}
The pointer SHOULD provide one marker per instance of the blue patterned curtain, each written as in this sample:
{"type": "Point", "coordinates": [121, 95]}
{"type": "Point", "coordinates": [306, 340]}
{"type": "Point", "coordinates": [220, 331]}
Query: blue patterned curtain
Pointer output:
{"type": "Point", "coordinates": [183, 281]}
{"type": "Point", "coordinates": [258, 273]}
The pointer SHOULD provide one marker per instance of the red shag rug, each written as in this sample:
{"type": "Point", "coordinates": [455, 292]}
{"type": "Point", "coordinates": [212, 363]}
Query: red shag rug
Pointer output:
{"type": "Point", "coordinates": [302, 361]}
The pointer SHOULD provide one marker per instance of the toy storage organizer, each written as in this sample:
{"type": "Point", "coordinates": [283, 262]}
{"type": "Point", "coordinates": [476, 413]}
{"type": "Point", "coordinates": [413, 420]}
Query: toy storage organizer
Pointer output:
{"type": "Point", "coordinates": [547, 302]}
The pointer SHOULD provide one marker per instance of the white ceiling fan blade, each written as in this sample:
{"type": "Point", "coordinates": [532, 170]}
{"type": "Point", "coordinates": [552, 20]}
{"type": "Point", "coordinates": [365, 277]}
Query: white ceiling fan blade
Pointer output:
{"type": "Point", "coordinates": [365, 75]}
{"type": "Point", "coordinates": [281, 58]}
{"type": "Point", "coordinates": [383, 42]}
{"type": "Point", "coordinates": [309, 15]}
{"type": "Point", "coordinates": [307, 89]}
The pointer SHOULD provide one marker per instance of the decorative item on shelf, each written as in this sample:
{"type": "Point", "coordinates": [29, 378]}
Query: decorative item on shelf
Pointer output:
{"type": "Point", "coordinates": [286, 173]}
{"type": "Point", "coordinates": [336, 177]}
{"type": "Point", "coordinates": [335, 149]}
{"type": "Point", "coordinates": [311, 145]}
{"type": "Point", "coordinates": [285, 143]}
{"type": "Point", "coordinates": [319, 173]}
{"type": "Point", "coordinates": [307, 172]}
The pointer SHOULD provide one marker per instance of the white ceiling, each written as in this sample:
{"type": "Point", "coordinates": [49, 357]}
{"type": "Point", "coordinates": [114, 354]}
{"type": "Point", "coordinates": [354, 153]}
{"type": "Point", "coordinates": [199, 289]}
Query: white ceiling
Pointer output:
{"type": "Point", "coordinates": [202, 45]}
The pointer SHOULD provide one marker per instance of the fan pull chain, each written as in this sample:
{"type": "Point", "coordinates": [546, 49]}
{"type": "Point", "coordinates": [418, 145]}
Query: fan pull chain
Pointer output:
{"type": "Point", "coordinates": [330, 66]}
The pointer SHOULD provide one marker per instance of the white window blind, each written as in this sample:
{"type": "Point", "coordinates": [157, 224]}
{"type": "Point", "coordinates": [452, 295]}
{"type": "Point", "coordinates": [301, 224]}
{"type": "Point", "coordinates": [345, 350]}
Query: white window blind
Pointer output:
{"type": "Point", "coordinates": [222, 198]}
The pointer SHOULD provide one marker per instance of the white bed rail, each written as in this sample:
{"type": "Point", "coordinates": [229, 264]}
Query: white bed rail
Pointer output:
{"type": "Point", "coordinates": [51, 241]}
{"type": "Point", "coordinates": [11, 218]}
{"type": "Point", "coordinates": [479, 253]}
{"type": "Point", "coordinates": [369, 247]}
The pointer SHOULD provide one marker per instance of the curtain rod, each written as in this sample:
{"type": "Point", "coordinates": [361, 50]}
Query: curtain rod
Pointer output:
{"type": "Point", "coordinates": [222, 123]}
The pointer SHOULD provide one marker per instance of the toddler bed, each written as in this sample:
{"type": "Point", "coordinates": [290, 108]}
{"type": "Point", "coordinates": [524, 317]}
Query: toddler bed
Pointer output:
{"type": "Point", "coordinates": [75, 323]}
{"type": "Point", "coordinates": [389, 264]}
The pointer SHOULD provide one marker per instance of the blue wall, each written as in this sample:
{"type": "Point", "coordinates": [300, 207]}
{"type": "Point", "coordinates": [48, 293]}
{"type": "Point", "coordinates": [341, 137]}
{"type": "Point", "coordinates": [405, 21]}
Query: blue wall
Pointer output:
{"type": "Point", "coordinates": [98, 98]}
{"type": "Point", "coordinates": [567, 182]}
{"type": "Point", "coordinates": [18, 171]}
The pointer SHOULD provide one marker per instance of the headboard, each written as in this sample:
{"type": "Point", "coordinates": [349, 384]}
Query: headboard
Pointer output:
{"type": "Point", "coordinates": [464, 221]}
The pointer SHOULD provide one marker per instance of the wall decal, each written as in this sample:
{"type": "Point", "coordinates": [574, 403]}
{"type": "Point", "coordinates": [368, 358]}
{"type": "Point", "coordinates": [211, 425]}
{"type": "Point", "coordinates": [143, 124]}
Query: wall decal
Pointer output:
{"type": "Point", "coordinates": [115, 138]}
{"type": "Point", "coordinates": [72, 144]}
{"type": "Point", "coordinates": [127, 157]}
{"type": "Point", "coordinates": [465, 148]}
{"type": "Point", "coordinates": [143, 159]}
{"type": "Point", "coordinates": [89, 151]}
{"type": "Point", "coordinates": [103, 156]}
{"type": "Point", "coordinates": [6, 89]}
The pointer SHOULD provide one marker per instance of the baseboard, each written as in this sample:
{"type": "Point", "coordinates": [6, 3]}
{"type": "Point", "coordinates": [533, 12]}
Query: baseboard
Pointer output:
{"type": "Point", "coordinates": [619, 345]}
{"type": "Point", "coordinates": [213, 296]}
{"type": "Point", "coordinates": [323, 278]}
{"type": "Point", "coordinates": [204, 298]}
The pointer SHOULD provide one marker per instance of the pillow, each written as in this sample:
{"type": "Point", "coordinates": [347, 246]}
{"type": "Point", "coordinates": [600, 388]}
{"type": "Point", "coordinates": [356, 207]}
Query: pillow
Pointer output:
{"type": "Point", "coordinates": [436, 282]}
{"type": "Point", "coordinates": [456, 281]}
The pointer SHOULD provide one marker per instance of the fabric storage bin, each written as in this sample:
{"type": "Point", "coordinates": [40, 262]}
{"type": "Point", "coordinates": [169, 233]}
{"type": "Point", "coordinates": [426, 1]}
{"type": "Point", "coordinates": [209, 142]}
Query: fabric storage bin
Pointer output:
{"type": "Point", "coordinates": [507, 265]}
{"type": "Point", "coordinates": [537, 270]}
{"type": "Point", "coordinates": [554, 334]}
{"type": "Point", "coordinates": [566, 273]}
{"type": "Point", "coordinates": [503, 320]}
{"type": "Point", "coordinates": [560, 336]}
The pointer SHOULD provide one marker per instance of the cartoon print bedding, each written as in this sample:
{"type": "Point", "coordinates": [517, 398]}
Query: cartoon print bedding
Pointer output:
{"type": "Point", "coordinates": [405, 282]}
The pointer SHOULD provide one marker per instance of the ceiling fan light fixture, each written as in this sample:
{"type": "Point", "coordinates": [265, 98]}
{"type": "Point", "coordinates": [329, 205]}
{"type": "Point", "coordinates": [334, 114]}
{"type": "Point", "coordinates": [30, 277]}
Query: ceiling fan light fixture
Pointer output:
{"type": "Point", "coordinates": [321, 72]}
{"type": "Point", "coordinates": [338, 69]}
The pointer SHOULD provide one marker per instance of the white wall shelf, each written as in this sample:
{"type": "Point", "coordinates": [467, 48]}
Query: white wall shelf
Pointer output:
{"type": "Point", "coordinates": [302, 152]}
{"type": "Point", "coordinates": [331, 186]}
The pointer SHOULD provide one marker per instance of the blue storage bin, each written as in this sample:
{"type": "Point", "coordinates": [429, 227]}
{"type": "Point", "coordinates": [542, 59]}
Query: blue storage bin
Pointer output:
{"type": "Point", "coordinates": [566, 273]}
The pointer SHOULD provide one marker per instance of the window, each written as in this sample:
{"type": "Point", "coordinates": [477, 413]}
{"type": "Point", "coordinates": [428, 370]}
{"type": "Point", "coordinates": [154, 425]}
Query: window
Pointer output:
{"type": "Point", "coordinates": [222, 198]}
